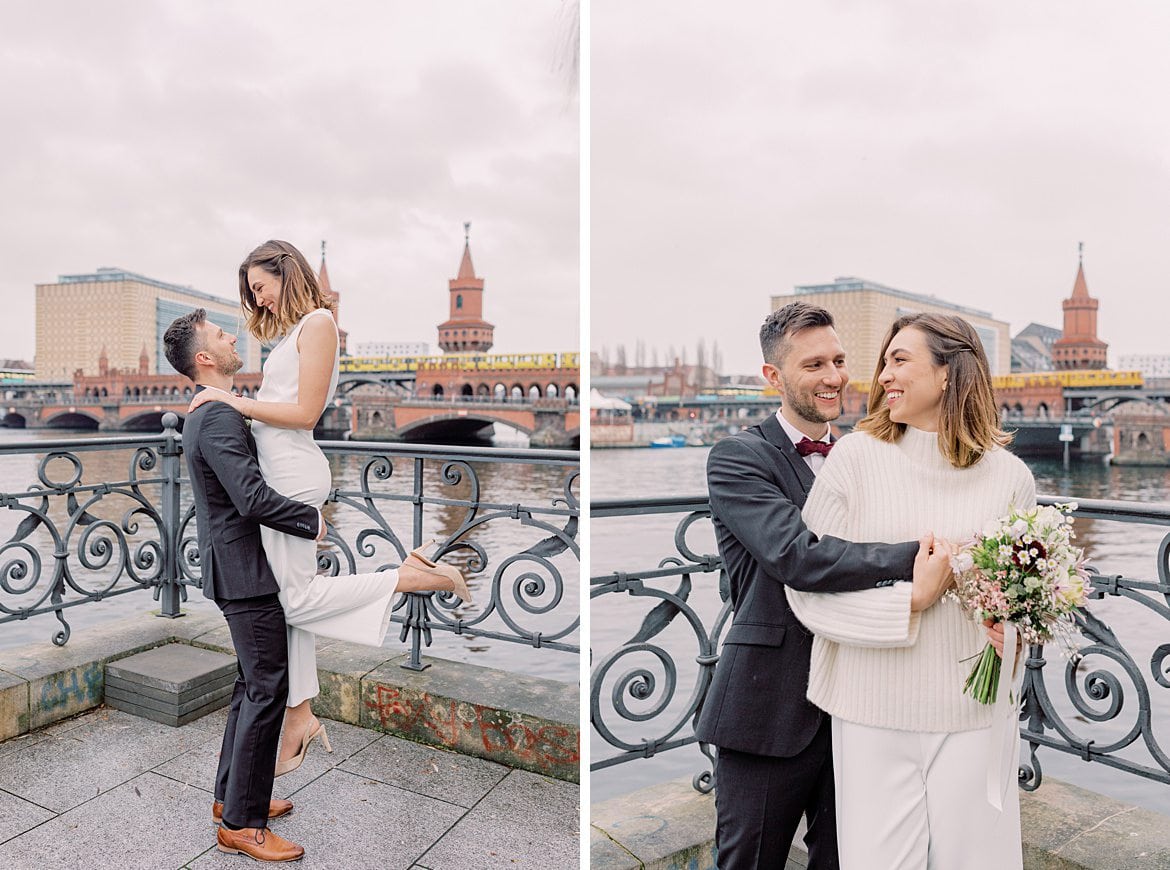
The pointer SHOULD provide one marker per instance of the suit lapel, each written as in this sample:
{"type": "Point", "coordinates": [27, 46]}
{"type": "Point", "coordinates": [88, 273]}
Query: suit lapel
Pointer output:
{"type": "Point", "coordinates": [778, 438]}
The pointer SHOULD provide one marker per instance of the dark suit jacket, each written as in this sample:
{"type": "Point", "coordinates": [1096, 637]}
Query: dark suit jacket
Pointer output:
{"type": "Point", "coordinates": [232, 501]}
{"type": "Point", "coordinates": [758, 484]}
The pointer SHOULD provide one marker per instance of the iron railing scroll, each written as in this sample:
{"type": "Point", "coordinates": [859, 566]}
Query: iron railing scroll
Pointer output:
{"type": "Point", "coordinates": [641, 703]}
{"type": "Point", "coordinates": [69, 541]}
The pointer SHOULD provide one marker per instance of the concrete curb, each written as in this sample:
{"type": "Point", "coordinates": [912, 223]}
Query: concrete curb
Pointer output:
{"type": "Point", "coordinates": [671, 827]}
{"type": "Point", "coordinates": [520, 721]}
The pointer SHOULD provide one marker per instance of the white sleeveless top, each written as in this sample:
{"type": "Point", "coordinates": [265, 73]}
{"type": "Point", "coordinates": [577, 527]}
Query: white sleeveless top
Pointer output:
{"type": "Point", "coordinates": [290, 459]}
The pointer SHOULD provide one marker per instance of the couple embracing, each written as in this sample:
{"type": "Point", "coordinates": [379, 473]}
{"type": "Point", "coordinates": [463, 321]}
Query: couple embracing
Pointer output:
{"type": "Point", "coordinates": [258, 481]}
{"type": "Point", "coordinates": [838, 695]}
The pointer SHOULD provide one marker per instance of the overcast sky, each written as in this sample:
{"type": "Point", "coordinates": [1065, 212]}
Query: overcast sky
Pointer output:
{"type": "Point", "coordinates": [170, 138]}
{"type": "Point", "coordinates": [959, 149]}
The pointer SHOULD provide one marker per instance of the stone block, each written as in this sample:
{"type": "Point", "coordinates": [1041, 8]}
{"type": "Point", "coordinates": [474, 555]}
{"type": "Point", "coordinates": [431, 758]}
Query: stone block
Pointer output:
{"type": "Point", "coordinates": [164, 712]}
{"type": "Point", "coordinates": [13, 705]}
{"type": "Point", "coordinates": [148, 821]}
{"type": "Point", "coordinates": [175, 672]}
{"type": "Point", "coordinates": [173, 684]}
{"type": "Point", "coordinates": [662, 826]}
{"type": "Point", "coordinates": [519, 721]}
{"type": "Point", "coordinates": [449, 776]}
{"type": "Point", "coordinates": [527, 821]}
{"type": "Point", "coordinates": [340, 669]}
{"type": "Point", "coordinates": [1066, 827]}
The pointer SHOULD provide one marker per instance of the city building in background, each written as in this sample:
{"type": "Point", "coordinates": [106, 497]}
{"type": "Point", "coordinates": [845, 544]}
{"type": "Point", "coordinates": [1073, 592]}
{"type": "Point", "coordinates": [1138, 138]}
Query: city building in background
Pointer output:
{"type": "Point", "coordinates": [117, 313]}
{"type": "Point", "coordinates": [1032, 348]}
{"type": "Point", "coordinates": [863, 311]}
{"type": "Point", "coordinates": [465, 330]}
{"type": "Point", "coordinates": [1079, 349]}
{"type": "Point", "coordinates": [392, 348]}
{"type": "Point", "coordinates": [1151, 365]}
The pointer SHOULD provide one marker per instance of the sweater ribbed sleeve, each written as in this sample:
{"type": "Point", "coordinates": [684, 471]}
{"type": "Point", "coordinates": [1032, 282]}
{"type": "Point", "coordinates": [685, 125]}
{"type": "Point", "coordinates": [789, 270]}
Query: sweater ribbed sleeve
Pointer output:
{"type": "Point", "coordinates": [873, 617]}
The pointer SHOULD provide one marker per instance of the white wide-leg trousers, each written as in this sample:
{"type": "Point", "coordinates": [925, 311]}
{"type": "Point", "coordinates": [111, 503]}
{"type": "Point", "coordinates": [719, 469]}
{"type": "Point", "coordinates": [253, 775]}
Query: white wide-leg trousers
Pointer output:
{"type": "Point", "coordinates": [350, 607]}
{"type": "Point", "coordinates": [910, 800]}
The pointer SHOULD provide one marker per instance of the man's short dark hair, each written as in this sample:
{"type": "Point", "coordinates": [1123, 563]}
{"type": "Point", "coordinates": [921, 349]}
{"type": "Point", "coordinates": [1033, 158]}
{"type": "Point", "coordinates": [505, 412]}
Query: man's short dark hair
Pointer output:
{"type": "Point", "coordinates": [783, 323]}
{"type": "Point", "coordinates": [181, 341]}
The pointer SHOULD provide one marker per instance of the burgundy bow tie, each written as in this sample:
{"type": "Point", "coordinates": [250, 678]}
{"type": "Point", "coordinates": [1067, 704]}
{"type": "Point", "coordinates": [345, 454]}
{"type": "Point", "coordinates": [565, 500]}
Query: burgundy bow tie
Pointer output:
{"type": "Point", "coordinates": [805, 446]}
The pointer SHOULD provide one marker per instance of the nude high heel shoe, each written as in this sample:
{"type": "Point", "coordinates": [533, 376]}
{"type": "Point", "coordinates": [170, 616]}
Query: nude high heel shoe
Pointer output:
{"type": "Point", "coordinates": [418, 560]}
{"type": "Point", "coordinates": [291, 764]}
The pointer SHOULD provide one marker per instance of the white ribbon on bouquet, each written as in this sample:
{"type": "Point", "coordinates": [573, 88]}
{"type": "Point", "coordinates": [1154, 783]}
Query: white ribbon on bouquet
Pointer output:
{"type": "Point", "coordinates": [1004, 732]}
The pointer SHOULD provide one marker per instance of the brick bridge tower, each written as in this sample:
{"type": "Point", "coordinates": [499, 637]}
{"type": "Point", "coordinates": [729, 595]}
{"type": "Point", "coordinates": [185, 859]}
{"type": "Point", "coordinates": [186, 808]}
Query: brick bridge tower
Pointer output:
{"type": "Point", "coordinates": [323, 280]}
{"type": "Point", "coordinates": [1079, 348]}
{"type": "Point", "coordinates": [465, 330]}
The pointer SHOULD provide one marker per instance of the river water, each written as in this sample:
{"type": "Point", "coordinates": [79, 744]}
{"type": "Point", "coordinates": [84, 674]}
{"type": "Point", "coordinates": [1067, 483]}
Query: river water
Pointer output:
{"type": "Point", "coordinates": [500, 483]}
{"type": "Point", "coordinates": [638, 543]}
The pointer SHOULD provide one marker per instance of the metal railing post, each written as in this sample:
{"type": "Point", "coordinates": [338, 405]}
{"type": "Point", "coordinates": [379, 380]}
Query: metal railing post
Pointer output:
{"type": "Point", "coordinates": [417, 621]}
{"type": "Point", "coordinates": [170, 590]}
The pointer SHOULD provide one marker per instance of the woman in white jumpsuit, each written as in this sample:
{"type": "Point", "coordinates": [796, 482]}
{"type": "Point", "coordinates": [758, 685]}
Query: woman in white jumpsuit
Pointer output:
{"type": "Point", "coordinates": [281, 296]}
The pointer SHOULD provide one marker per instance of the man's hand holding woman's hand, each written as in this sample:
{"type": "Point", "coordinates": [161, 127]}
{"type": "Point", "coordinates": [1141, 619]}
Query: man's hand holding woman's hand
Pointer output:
{"type": "Point", "coordinates": [932, 571]}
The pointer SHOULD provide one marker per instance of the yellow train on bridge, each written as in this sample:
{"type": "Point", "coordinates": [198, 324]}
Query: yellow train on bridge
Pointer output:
{"type": "Point", "coordinates": [462, 361]}
{"type": "Point", "coordinates": [1095, 379]}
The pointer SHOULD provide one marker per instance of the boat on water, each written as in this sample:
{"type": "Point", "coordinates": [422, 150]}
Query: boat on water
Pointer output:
{"type": "Point", "coordinates": [670, 441]}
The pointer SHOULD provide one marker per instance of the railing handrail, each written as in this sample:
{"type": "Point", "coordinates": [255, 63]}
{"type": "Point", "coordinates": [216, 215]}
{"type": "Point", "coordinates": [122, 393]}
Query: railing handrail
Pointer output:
{"type": "Point", "coordinates": [1156, 513]}
{"type": "Point", "coordinates": [487, 454]}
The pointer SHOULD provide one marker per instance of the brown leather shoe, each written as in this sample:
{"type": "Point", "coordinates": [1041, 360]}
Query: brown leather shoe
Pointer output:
{"type": "Point", "coordinates": [276, 809]}
{"type": "Point", "coordinates": [258, 843]}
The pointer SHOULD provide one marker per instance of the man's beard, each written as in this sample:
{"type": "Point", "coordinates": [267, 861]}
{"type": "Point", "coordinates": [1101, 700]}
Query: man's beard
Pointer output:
{"type": "Point", "coordinates": [804, 404]}
{"type": "Point", "coordinates": [228, 366]}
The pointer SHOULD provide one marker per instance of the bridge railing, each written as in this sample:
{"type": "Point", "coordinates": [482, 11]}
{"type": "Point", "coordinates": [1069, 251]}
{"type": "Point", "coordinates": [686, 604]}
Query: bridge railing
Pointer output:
{"type": "Point", "coordinates": [107, 517]}
{"type": "Point", "coordinates": [1100, 703]}
{"type": "Point", "coordinates": [552, 402]}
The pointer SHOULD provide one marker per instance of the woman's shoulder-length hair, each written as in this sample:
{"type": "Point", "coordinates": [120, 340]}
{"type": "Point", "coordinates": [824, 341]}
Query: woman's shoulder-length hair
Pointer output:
{"type": "Point", "coordinates": [969, 419]}
{"type": "Point", "coordinates": [300, 290]}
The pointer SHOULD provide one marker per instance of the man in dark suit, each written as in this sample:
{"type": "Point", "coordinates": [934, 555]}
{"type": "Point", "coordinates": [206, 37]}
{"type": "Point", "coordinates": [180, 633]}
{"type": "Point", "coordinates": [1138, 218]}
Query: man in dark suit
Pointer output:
{"type": "Point", "coordinates": [231, 503]}
{"type": "Point", "coordinates": [775, 753]}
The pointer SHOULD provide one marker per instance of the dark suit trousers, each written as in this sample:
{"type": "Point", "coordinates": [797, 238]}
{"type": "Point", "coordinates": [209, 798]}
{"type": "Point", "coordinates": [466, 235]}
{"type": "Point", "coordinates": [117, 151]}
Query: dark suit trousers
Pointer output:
{"type": "Point", "coordinates": [759, 800]}
{"type": "Point", "coordinates": [247, 759]}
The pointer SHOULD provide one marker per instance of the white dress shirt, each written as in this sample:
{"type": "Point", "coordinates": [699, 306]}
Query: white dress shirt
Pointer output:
{"type": "Point", "coordinates": [814, 460]}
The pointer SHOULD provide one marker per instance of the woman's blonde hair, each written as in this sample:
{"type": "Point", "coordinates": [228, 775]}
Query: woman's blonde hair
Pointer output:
{"type": "Point", "coordinates": [968, 422]}
{"type": "Point", "coordinates": [300, 292]}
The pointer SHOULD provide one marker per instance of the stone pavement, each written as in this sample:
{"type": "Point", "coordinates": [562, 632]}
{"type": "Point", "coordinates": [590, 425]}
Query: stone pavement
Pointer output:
{"type": "Point", "coordinates": [111, 790]}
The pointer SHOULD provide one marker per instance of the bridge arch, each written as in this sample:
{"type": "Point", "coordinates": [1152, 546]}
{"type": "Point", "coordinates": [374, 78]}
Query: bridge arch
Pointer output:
{"type": "Point", "coordinates": [454, 426]}
{"type": "Point", "coordinates": [13, 420]}
{"type": "Point", "coordinates": [1108, 404]}
{"type": "Point", "coordinates": [72, 420]}
{"type": "Point", "coordinates": [148, 421]}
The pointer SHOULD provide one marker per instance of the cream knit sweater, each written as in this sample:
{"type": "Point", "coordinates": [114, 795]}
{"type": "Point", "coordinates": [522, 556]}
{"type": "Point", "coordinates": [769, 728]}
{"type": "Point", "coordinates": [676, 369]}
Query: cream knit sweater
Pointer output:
{"type": "Point", "coordinates": [873, 661]}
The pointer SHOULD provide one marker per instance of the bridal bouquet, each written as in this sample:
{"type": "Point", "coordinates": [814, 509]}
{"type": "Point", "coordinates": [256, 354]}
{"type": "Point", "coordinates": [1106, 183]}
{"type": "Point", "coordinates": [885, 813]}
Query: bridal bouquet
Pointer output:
{"type": "Point", "coordinates": [1022, 569]}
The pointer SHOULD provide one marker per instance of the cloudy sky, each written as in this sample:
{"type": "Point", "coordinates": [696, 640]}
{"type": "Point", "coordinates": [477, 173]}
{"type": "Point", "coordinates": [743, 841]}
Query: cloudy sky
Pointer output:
{"type": "Point", "coordinates": [959, 149]}
{"type": "Point", "coordinates": [169, 138]}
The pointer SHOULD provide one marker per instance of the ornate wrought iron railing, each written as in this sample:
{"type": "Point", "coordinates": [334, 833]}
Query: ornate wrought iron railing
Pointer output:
{"type": "Point", "coordinates": [78, 540]}
{"type": "Point", "coordinates": [642, 703]}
